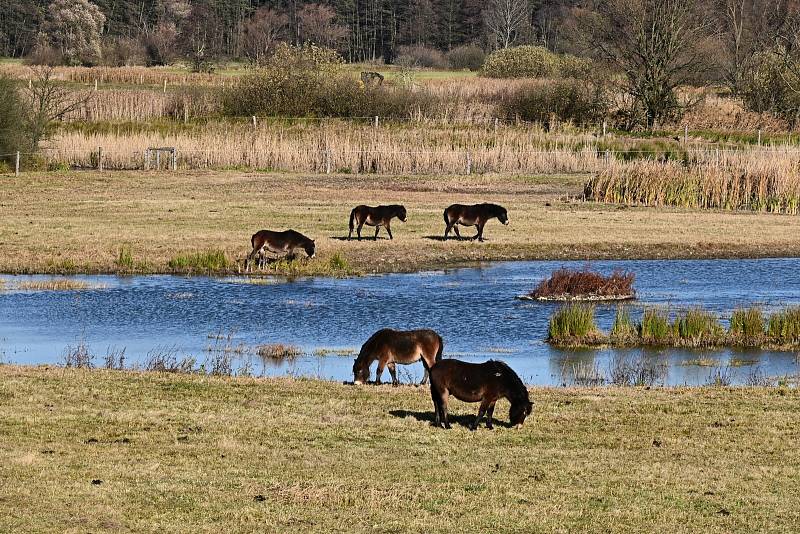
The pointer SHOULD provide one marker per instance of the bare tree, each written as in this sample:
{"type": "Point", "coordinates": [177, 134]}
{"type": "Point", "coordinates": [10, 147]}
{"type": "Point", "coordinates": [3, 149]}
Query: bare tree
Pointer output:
{"type": "Point", "coordinates": [505, 20]}
{"type": "Point", "coordinates": [316, 23]}
{"type": "Point", "coordinates": [262, 32]}
{"type": "Point", "coordinates": [48, 101]}
{"type": "Point", "coordinates": [657, 44]}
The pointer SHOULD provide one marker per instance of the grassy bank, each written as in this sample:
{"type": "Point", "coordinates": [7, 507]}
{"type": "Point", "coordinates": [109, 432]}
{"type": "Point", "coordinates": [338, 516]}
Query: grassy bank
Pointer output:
{"type": "Point", "coordinates": [133, 222]}
{"type": "Point", "coordinates": [106, 450]}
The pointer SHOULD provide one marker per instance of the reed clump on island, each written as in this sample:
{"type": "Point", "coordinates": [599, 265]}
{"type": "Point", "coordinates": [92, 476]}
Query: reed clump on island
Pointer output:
{"type": "Point", "coordinates": [574, 325]}
{"type": "Point", "coordinates": [585, 284]}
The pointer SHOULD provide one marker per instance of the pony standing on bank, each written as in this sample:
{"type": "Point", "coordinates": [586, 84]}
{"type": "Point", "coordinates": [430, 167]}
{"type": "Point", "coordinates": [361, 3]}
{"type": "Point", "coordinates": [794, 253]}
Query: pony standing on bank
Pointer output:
{"type": "Point", "coordinates": [278, 243]}
{"type": "Point", "coordinates": [375, 216]}
{"type": "Point", "coordinates": [472, 215]}
{"type": "Point", "coordinates": [479, 382]}
{"type": "Point", "coordinates": [390, 347]}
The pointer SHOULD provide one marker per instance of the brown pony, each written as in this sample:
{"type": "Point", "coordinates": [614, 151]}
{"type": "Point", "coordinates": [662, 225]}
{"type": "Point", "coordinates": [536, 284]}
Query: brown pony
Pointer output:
{"type": "Point", "coordinates": [397, 346]}
{"type": "Point", "coordinates": [479, 382]}
{"type": "Point", "coordinates": [278, 242]}
{"type": "Point", "coordinates": [475, 215]}
{"type": "Point", "coordinates": [377, 217]}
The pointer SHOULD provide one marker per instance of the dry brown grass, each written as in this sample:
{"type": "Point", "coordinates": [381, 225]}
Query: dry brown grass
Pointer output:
{"type": "Point", "coordinates": [155, 452]}
{"type": "Point", "coordinates": [56, 284]}
{"type": "Point", "coordinates": [80, 221]}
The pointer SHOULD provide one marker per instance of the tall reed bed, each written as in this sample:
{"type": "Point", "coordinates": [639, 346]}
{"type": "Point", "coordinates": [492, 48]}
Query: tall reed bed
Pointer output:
{"type": "Point", "coordinates": [338, 147]}
{"type": "Point", "coordinates": [122, 75]}
{"type": "Point", "coordinates": [766, 179]}
{"type": "Point", "coordinates": [692, 328]}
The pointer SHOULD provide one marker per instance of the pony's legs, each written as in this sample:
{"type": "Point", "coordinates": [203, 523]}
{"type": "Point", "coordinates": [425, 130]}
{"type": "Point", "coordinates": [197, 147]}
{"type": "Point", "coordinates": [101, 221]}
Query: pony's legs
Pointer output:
{"type": "Point", "coordinates": [389, 230]}
{"type": "Point", "coordinates": [444, 397]}
{"type": "Point", "coordinates": [481, 412]}
{"type": "Point", "coordinates": [489, 415]}
{"type": "Point", "coordinates": [251, 257]}
{"type": "Point", "coordinates": [437, 401]}
{"type": "Point", "coordinates": [479, 235]}
{"type": "Point", "coordinates": [379, 371]}
{"type": "Point", "coordinates": [455, 229]}
{"type": "Point", "coordinates": [447, 230]}
{"type": "Point", "coordinates": [393, 371]}
{"type": "Point", "coordinates": [377, 229]}
{"type": "Point", "coordinates": [425, 378]}
{"type": "Point", "coordinates": [358, 230]}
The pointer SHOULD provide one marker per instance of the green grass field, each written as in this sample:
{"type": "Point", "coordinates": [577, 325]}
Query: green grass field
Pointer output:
{"type": "Point", "coordinates": [90, 451]}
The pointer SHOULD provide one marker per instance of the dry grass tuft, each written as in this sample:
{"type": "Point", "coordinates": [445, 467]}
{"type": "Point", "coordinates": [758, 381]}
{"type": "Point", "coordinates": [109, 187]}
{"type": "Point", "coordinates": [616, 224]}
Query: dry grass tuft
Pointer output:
{"type": "Point", "coordinates": [57, 284]}
{"type": "Point", "coordinates": [278, 351]}
{"type": "Point", "coordinates": [585, 284]}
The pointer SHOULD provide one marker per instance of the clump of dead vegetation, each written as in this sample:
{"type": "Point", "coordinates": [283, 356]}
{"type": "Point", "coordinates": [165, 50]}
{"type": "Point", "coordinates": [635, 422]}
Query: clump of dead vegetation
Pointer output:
{"type": "Point", "coordinates": [278, 351]}
{"type": "Point", "coordinates": [585, 284]}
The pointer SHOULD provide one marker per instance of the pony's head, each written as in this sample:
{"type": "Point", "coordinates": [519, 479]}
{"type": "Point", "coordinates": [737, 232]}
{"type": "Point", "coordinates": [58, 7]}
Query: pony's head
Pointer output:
{"type": "Point", "coordinates": [360, 372]}
{"type": "Point", "coordinates": [502, 215]}
{"type": "Point", "coordinates": [310, 248]}
{"type": "Point", "coordinates": [519, 411]}
{"type": "Point", "coordinates": [401, 213]}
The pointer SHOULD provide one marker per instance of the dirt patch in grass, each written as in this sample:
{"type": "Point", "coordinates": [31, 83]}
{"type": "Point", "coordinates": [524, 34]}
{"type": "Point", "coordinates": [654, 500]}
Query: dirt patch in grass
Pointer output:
{"type": "Point", "coordinates": [326, 457]}
{"type": "Point", "coordinates": [133, 222]}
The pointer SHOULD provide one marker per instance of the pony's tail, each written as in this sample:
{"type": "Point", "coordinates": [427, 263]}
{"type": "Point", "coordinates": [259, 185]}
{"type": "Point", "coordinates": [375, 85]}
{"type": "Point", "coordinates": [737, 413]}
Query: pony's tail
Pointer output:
{"type": "Point", "coordinates": [446, 218]}
{"type": "Point", "coordinates": [438, 357]}
{"type": "Point", "coordinates": [253, 241]}
{"type": "Point", "coordinates": [352, 218]}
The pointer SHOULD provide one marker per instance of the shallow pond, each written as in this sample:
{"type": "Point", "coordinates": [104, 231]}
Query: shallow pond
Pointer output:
{"type": "Point", "coordinates": [473, 308]}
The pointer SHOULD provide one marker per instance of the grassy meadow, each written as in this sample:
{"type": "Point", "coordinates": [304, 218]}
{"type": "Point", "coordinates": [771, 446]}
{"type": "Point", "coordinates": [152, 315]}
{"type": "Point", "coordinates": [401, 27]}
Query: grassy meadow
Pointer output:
{"type": "Point", "coordinates": [86, 450]}
{"type": "Point", "coordinates": [129, 222]}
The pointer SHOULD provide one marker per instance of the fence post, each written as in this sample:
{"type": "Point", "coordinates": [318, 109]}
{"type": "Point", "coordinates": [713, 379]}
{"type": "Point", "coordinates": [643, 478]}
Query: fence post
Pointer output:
{"type": "Point", "coordinates": [376, 122]}
{"type": "Point", "coordinates": [496, 121]}
{"type": "Point", "coordinates": [254, 121]}
{"type": "Point", "coordinates": [685, 134]}
{"type": "Point", "coordinates": [16, 165]}
{"type": "Point", "coordinates": [95, 84]}
{"type": "Point", "coordinates": [146, 162]}
{"type": "Point", "coordinates": [185, 114]}
{"type": "Point", "coordinates": [469, 163]}
{"type": "Point", "coordinates": [165, 86]}
{"type": "Point", "coordinates": [158, 160]}
{"type": "Point", "coordinates": [327, 161]}
{"type": "Point", "coordinates": [759, 137]}
{"type": "Point", "coordinates": [99, 158]}
{"type": "Point", "coordinates": [174, 159]}
{"type": "Point", "coordinates": [608, 156]}
{"type": "Point", "coordinates": [605, 128]}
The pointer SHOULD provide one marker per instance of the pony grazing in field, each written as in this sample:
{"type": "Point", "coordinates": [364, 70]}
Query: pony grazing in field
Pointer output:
{"type": "Point", "coordinates": [278, 243]}
{"type": "Point", "coordinates": [479, 382]}
{"type": "Point", "coordinates": [390, 347]}
{"type": "Point", "coordinates": [377, 217]}
{"type": "Point", "coordinates": [474, 215]}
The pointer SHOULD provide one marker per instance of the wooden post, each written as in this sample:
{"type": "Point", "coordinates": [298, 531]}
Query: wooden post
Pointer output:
{"type": "Point", "coordinates": [95, 84]}
{"type": "Point", "coordinates": [141, 79]}
{"type": "Point", "coordinates": [608, 156]}
{"type": "Point", "coordinates": [496, 121]}
{"type": "Point", "coordinates": [469, 163]}
{"type": "Point", "coordinates": [376, 121]}
{"type": "Point", "coordinates": [165, 86]}
{"type": "Point", "coordinates": [759, 137]}
{"type": "Point", "coordinates": [185, 114]}
{"type": "Point", "coordinates": [158, 160]}
{"type": "Point", "coordinates": [254, 121]}
{"type": "Point", "coordinates": [605, 126]}
{"type": "Point", "coordinates": [174, 159]}
{"type": "Point", "coordinates": [685, 133]}
{"type": "Point", "coordinates": [30, 83]}
{"type": "Point", "coordinates": [16, 165]}
{"type": "Point", "coordinates": [146, 163]}
{"type": "Point", "coordinates": [327, 161]}
{"type": "Point", "coordinates": [99, 158]}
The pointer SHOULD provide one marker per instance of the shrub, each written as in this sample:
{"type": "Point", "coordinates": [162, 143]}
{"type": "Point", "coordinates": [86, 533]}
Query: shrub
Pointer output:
{"type": "Point", "coordinates": [420, 56]}
{"type": "Point", "coordinates": [469, 57]}
{"type": "Point", "coordinates": [533, 62]}
{"type": "Point", "coordinates": [654, 328]}
{"type": "Point", "coordinates": [573, 323]}
{"type": "Point", "coordinates": [567, 100]}
{"type": "Point", "coordinates": [13, 131]}
{"type": "Point", "coordinates": [568, 284]}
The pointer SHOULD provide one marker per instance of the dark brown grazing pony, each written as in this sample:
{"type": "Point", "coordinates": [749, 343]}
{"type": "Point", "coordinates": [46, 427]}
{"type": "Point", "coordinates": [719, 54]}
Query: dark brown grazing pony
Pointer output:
{"type": "Point", "coordinates": [279, 243]}
{"type": "Point", "coordinates": [479, 382]}
{"type": "Point", "coordinates": [377, 217]}
{"type": "Point", "coordinates": [474, 215]}
{"type": "Point", "coordinates": [397, 346]}
{"type": "Point", "coordinates": [368, 78]}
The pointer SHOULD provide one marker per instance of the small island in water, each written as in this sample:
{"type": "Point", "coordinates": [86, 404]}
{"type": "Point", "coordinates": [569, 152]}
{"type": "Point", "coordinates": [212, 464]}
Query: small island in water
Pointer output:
{"type": "Point", "coordinates": [584, 285]}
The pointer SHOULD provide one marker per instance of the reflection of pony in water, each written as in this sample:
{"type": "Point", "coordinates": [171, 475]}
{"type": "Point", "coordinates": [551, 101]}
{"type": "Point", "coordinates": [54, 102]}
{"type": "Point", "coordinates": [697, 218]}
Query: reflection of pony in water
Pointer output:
{"type": "Point", "coordinates": [479, 382]}
{"type": "Point", "coordinates": [279, 243]}
{"type": "Point", "coordinates": [396, 346]}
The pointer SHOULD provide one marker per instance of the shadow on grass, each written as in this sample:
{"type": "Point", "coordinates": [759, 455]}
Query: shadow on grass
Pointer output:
{"type": "Point", "coordinates": [363, 238]}
{"type": "Point", "coordinates": [461, 420]}
{"type": "Point", "coordinates": [450, 238]}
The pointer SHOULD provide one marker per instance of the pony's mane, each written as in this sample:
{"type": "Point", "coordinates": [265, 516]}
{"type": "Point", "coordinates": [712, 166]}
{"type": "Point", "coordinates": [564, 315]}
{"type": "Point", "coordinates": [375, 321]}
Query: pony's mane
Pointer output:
{"type": "Point", "coordinates": [512, 378]}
